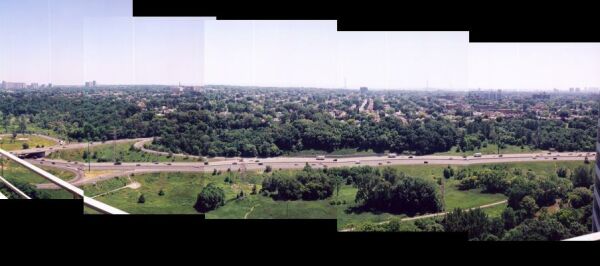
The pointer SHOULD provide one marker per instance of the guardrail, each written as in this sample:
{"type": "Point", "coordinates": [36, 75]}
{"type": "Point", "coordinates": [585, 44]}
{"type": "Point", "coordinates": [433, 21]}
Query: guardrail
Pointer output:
{"type": "Point", "coordinates": [75, 191]}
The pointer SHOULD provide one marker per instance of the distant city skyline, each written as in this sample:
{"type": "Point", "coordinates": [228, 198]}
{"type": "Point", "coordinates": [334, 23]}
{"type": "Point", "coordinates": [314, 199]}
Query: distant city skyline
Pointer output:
{"type": "Point", "coordinates": [69, 42]}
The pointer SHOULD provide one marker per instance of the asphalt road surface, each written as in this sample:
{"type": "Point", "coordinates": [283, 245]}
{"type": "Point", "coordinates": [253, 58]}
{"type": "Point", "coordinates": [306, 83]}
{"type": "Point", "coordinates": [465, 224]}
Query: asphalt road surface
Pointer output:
{"type": "Point", "coordinates": [238, 164]}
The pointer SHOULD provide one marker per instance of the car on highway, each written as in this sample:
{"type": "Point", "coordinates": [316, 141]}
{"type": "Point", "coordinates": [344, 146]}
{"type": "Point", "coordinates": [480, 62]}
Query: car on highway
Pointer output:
{"type": "Point", "coordinates": [425, 162]}
{"type": "Point", "coordinates": [335, 160]}
{"type": "Point", "coordinates": [357, 162]}
{"type": "Point", "coordinates": [260, 163]}
{"type": "Point", "coordinates": [410, 157]}
{"type": "Point", "coordinates": [138, 164]}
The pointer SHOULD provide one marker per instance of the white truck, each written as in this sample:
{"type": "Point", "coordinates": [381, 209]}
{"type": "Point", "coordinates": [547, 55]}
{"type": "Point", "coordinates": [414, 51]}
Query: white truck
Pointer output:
{"type": "Point", "coordinates": [391, 155]}
{"type": "Point", "coordinates": [320, 157]}
{"type": "Point", "coordinates": [477, 154]}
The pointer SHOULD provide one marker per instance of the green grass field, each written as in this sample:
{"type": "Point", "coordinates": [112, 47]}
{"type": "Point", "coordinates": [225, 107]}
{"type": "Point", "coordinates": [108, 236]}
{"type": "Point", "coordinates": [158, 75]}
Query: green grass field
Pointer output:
{"type": "Point", "coordinates": [181, 190]}
{"type": "Point", "coordinates": [340, 152]}
{"type": "Point", "coordinates": [490, 149]}
{"type": "Point", "coordinates": [8, 144]}
{"type": "Point", "coordinates": [14, 172]}
{"type": "Point", "coordinates": [122, 151]}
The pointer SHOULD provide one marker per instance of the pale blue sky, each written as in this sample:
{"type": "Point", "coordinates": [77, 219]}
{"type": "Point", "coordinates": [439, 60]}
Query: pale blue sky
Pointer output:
{"type": "Point", "coordinates": [73, 41]}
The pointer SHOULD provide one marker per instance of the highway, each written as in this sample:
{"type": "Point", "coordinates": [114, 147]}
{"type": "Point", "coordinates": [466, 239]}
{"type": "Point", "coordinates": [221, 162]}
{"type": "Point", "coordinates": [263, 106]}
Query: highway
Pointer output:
{"type": "Point", "coordinates": [282, 162]}
{"type": "Point", "coordinates": [236, 164]}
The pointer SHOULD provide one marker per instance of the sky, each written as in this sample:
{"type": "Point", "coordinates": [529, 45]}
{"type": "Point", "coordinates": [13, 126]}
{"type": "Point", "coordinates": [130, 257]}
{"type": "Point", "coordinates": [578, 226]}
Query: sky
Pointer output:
{"type": "Point", "coordinates": [71, 41]}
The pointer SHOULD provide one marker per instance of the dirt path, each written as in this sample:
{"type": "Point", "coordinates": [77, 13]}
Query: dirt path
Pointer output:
{"type": "Point", "coordinates": [432, 215]}
{"type": "Point", "coordinates": [250, 211]}
{"type": "Point", "coordinates": [133, 185]}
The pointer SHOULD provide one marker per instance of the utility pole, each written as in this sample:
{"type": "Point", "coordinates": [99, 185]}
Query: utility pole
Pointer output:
{"type": "Point", "coordinates": [114, 144]}
{"type": "Point", "coordinates": [89, 159]}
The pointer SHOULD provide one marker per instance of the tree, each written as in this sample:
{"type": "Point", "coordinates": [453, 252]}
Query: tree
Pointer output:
{"type": "Point", "coordinates": [210, 198]}
{"type": "Point", "coordinates": [447, 173]}
{"type": "Point", "coordinates": [468, 183]}
{"type": "Point", "coordinates": [268, 169]}
{"type": "Point", "coordinates": [493, 181]}
{"type": "Point", "coordinates": [582, 177]}
{"type": "Point", "coordinates": [561, 172]}
{"type": "Point", "coordinates": [161, 192]}
{"type": "Point", "coordinates": [580, 197]}
{"type": "Point", "coordinates": [538, 230]}
{"type": "Point", "coordinates": [253, 190]}
{"type": "Point", "coordinates": [141, 199]}
{"type": "Point", "coordinates": [474, 222]}
{"type": "Point", "coordinates": [510, 219]}
{"type": "Point", "coordinates": [407, 194]}
{"type": "Point", "coordinates": [529, 206]}
{"type": "Point", "coordinates": [25, 145]}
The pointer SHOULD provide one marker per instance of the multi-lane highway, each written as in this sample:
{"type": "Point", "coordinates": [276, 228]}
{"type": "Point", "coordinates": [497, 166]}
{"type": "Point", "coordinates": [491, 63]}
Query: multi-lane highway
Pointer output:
{"type": "Point", "coordinates": [236, 164]}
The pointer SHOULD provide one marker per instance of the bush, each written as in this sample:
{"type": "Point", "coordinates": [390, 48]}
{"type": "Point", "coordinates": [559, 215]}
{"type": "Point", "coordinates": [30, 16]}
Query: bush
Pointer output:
{"type": "Point", "coordinates": [582, 177]}
{"type": "Point", "coordinates": [311, 185]}
{"type": "Point", "coordinates": [468, 183]}
{"type": "Point", "coordinates": [210, 198]}
{"type": "Point", "coordinates": [580, 197]}
{"type": "Point", "coordinates": [141, 199]}
{"type": "Point", "coordinates": [408, 195]}
{"type": "Point", "coordinates": [493, 181]}
{"type": "Point", "coordinates": [538, 230]}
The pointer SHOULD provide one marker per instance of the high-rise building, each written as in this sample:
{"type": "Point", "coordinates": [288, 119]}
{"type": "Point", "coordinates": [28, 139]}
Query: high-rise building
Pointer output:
{"type": "Point", "coordinates": [12, 85]}
{"type": "Point", "coordinates": [364, 90]}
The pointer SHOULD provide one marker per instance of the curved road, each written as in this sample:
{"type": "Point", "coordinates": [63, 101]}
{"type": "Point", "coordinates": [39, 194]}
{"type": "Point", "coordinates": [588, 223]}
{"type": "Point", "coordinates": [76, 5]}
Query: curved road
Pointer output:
{"type": "Point", "coordinates": [76, 145]}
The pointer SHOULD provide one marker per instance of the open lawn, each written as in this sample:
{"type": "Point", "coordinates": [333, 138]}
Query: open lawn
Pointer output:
{"type": "Point", "coordinates": [336, 153]}
{"type": "Point", "coordinates": [16, 173]}
{"type": "Point", "coordinates": [490, 149]}
{"type": "Point", "coordinates": [7, 142]}
{"type": "Point", "coordinates": [181, 190]}
{"type": "Point", "coordinates": [106, 152]}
